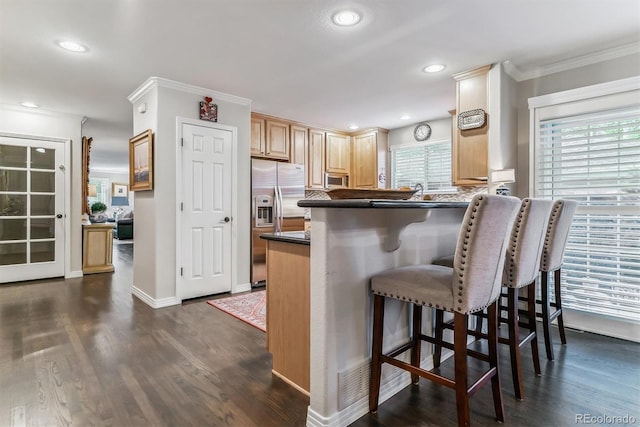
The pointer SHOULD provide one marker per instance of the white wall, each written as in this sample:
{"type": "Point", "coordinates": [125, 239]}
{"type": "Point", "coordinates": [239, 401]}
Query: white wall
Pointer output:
{"type": "Point", "coordinates": [47, 124]}
{"type": "Point", "coordinates": [155, 269]}
{"type": "Point", "coordinates": [440, 131]}
{"type": "Point", "coordinates": [606, 71]}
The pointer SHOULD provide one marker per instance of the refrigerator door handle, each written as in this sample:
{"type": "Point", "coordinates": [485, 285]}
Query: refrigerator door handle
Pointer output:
{"type": "Point", "coordinates": [281, 210]}
{"type": "Point", "coordinates": [278, 209]}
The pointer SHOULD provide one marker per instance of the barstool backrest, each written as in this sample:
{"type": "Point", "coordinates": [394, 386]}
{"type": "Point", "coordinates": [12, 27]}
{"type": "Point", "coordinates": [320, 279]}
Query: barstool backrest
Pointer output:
{"type": "Point", "coordinates": [480, 251]}
{"type": "Point", "coordinates": [522, 261]}
{"type": "Point", "coordinates": [555, 240]}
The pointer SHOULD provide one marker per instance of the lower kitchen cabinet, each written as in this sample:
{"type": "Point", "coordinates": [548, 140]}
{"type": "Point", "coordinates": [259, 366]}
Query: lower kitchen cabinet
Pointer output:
{"type": "Point", "coordinates": [288, 279]}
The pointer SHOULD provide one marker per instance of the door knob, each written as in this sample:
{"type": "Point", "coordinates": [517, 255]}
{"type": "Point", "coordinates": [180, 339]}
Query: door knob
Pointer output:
{"type": "Point", "coordinates": [227, 219]}
{"type": "Point", "coordinates": [59, 216]}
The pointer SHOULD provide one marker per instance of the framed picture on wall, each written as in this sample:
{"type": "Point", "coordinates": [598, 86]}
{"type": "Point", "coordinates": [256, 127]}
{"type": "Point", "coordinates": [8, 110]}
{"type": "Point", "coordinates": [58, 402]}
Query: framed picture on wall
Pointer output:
{"type": "Point", "coordinates": [119, 190]}
{"type": "Point", "coordinates": [141, 161]}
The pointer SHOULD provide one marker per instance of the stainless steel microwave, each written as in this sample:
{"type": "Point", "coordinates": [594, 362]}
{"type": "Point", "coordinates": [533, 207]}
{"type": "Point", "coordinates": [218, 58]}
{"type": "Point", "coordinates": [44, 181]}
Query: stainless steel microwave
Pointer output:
{"type": "Point", "coordinates": [335, 180]}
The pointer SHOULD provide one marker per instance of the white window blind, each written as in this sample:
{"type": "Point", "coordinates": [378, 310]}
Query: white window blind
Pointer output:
{"type": "Point", "coordinates": [102, 188]}
{"type": "Point", "coordinates": [594, 158]}
{"type": "Point", "coordinates": [426, 164]}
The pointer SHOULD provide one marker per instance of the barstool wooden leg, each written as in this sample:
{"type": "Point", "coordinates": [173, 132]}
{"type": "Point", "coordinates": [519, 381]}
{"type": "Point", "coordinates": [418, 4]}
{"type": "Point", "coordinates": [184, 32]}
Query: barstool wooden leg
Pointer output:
{"type": "Point", "coordinates": [546, 313]}
{"type": "Point", "coordinates": [376, 352]}
{"type": "Point", "coordinates": [556, 279]}
{"type": "Point", "coordinates": [437, 349]}
{"type": "Point", "coordinates": [415, 350]}
{"type": "Point", "coordinates": [492, 312]}
{"type": "Point", "coordinates": [514, 342]}
{"type": "Point", "coordinates": [531, 303]}
{"type": "Point", "coordinates": [460, 357]}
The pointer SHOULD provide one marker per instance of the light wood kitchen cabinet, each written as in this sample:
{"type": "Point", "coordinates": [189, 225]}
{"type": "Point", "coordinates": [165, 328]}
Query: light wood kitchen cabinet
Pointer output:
{"type": "Point", "coordinates": [364, 161]}
{"type": "Point", "coordinates": [338, 151]}
{"type": "Point", "coordinates": [299, 143]}
{"type": "Point", "coordinates": [316, 159]}
{"type": "Point", "coordinates": [470, 149]}
{"type": "Point", "coordinates": [277, 146]}
{"type": "Point", "coordinates": [97, 248]}
{"type": "Point", "coordinates": [288, 300]}
{"type": "Point", "coordinates": [258, 138]}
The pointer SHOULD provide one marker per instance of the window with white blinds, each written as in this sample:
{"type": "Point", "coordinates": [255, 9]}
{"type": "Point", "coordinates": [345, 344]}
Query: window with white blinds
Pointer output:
{"type": "Point", "coordinates": [426, 164]}
{"type": "Point", "coordinates": [594, 158]}
{"type": "Point", "coordinates": [102, 187]}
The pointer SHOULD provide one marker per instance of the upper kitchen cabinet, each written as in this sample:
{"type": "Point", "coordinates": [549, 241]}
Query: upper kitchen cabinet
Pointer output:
{"type": "Point", "coordinates": [258, 139]}
{"type": "Point", "coordinates": [299, 143]}
{"type": "Point", "coordinates": [364, 158]}
{"type": "Point", "coordinates": [316, 159]}
{"type": "Point", "coordinates": [470, 149]}
{"type": "Point", "coordinates": [338, 152]}
{"type": "Point", "coordinates": [269, 138]}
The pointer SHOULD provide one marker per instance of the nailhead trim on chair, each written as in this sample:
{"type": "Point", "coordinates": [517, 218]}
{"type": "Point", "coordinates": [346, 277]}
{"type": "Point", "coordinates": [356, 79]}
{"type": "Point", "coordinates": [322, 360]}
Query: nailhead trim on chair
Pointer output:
{"type": "Point", "coordinates": [514, 239]}
{"type": "Point", "coordinates": [553, 222]}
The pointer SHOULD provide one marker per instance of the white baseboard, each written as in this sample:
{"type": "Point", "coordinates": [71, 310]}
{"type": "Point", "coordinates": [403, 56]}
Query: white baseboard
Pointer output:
{"type": "Point", "coordinates": [154, 303]}
{"type": "Point", "coordinates": [74, 274]}
{"type": "Point", "coordinates": [242, 287]}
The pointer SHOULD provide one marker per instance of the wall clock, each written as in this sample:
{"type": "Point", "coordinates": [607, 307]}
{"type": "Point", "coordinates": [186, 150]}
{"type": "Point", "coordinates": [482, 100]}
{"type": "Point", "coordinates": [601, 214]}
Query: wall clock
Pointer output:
{"type": "Point", "coordinates": [422, 132]}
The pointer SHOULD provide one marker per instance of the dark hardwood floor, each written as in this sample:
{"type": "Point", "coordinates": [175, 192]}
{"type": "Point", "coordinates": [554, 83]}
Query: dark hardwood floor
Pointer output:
{"type": "Point", "coordinates": [86, 352]}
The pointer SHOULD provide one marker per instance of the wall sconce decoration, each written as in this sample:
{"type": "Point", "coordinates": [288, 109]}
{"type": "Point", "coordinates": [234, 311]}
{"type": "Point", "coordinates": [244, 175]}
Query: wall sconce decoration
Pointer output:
{"type": "Point", "coordinates": [208, 110]}
{"type": "Point", "coordinates": [471, 119]}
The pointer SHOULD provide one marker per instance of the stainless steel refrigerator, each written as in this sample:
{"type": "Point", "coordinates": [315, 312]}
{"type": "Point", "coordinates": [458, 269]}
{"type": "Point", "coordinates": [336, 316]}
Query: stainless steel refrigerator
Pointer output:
{"type": "Point", "coordinates": [276, 188]}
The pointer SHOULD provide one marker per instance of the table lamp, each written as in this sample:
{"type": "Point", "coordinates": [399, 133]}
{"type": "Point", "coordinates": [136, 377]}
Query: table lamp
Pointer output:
{"type": "Point", "coordinates": [502, 177]}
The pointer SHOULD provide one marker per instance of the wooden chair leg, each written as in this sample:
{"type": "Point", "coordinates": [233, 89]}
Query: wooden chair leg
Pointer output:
{"type": "Point", "coordinates": [415, 350]}
{"type": "Point", "coordinates": [460, 357]}
{"type": "Point", "coordinates": [437, 349]}
{"type": "Point", "coordinates": [376, 352]}
{"type": "Point", "coordinates": [531, 304]}
{"type": "Point", "coordinates": [492, 312]}
{"type": "Point", "coordinates": [558, 296]}
{"type": "Point", "coordinates": [546, 314]}
{"type": "Point", "coordinates": [514, 345]}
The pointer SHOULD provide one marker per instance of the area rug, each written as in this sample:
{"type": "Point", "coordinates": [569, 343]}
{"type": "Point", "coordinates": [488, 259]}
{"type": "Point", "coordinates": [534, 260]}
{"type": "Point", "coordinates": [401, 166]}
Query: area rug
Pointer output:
{"type": "Point", "coordinates": [250, 308]}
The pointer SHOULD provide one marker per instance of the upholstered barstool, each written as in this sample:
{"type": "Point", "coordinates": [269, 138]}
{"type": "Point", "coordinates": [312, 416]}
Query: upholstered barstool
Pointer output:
{"type": "Point", "coordinates": [473, 284]}
{"type": "Point", "coordinates": [555, 243]}
{"type": "Point", "coordinates": [520, 271]}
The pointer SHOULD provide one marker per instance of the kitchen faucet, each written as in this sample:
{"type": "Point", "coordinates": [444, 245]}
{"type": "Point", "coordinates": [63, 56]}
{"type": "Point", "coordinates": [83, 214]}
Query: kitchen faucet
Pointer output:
{"type": "Point", "coordinates": [421, 187]}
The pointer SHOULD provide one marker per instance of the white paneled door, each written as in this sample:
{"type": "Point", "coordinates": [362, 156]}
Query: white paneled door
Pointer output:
{"type": "Point", "coordinates": [206, 211]}
{"type": "Point", "coordinates": [31, 209]}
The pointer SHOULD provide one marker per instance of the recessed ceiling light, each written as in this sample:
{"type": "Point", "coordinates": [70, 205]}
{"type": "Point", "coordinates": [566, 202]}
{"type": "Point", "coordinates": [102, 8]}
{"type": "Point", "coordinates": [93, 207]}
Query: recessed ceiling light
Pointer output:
{"type": "Point", "coordinates": [346, 18]}
{"type": "Point", "coordinates": [40, 150]}
{"type": "Point", "coordinates": [30, 104]}
{"type": "Point", "coordinates": [405, 117]}
{"type": "Point", "coordinates": [434, 68]}
{"type": "Point", "coordinates": [72, 46]}
{"type": "Point", "coordinates": [354, 127]}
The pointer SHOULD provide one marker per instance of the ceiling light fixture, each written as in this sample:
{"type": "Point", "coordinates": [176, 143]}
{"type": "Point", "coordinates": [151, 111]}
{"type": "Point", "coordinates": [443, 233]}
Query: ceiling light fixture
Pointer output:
{"type": "Point", "coordinates": [405, 117]}
{"type": "Point", "coordinates": [354, 127]}
{"type": "Point", "coordinates": [72, 46]}
{"type": "Point", "coordinates": [41, 150]}
{"type": "Point", "coordinates": [346, 18]}
{"type": "Point", "coordinates": [29, 104]}
{"type": "Point", "coordinates": [435, 68]}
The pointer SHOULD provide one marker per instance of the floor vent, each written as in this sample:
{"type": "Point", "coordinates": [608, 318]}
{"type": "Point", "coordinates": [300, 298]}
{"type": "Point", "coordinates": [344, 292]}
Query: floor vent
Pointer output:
{"type": "Point", "coordinates": [353, 385]}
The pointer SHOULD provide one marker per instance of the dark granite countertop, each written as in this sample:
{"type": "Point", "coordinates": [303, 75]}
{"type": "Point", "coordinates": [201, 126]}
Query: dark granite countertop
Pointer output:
{"type": "Point", "coordinates": [380, 204]}
{"type": "Point", "coordinates": [297, 237]}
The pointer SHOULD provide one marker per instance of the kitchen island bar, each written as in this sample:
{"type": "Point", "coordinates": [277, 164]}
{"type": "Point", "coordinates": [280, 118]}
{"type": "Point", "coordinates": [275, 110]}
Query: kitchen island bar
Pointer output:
{"type": "Point", "coordinates": [351, 240]}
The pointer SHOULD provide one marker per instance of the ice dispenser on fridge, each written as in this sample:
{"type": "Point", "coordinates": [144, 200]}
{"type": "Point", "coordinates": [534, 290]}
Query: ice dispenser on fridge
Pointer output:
{"type": "Point", "coordinates": [264, 211]}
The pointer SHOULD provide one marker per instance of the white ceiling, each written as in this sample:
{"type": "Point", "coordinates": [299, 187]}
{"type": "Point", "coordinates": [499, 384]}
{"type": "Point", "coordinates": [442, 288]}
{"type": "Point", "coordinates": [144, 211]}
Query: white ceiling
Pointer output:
{"type": "Point", "coordinates": [285, 55]}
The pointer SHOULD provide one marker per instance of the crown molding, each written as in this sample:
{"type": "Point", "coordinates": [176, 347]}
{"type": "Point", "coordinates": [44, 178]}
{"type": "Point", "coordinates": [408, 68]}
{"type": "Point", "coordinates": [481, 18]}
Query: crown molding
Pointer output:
{"type": "Point", "coordinates": [579, 61]}
{"type": "Point", "coordinates": [153, 82]}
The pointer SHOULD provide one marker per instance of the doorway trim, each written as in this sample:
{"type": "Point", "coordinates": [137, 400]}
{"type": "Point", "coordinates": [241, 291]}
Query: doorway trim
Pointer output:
{"type": "Point", "coordinates": [68, 274]}
{"type": "Point", "coordinates": [180, 122]}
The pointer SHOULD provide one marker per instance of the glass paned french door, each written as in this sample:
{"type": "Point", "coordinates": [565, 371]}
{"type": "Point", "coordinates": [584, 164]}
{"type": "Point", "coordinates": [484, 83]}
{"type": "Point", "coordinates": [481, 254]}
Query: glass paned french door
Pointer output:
{"type": "Point", "coordinates": [31, 209]}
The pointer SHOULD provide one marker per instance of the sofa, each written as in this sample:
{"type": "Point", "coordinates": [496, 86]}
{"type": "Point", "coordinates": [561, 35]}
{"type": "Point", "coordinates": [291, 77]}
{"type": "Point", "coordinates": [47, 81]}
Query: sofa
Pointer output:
{"type": "Point", "coordinates": [124, 227]}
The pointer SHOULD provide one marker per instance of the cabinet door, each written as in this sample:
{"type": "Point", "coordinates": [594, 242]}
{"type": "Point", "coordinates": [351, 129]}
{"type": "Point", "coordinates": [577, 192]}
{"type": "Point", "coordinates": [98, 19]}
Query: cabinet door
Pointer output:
{"type": "Point", "coordinates": [277, 139]}
{"type": "Point", "coordinates": [257, 137]}
{"type": "Point", "coordinates": [315, 163]}
{"type": "Point", "coordinates": [299, 137]}
{"type": "Point", "coordinates": [364, 161]}
{"type": "Point", "coordinates": [470, 150]}
{"type": "Point", "coordinates": [338, 153]}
